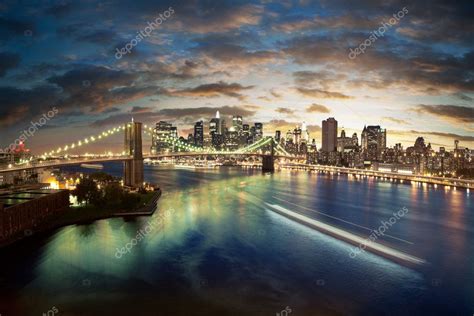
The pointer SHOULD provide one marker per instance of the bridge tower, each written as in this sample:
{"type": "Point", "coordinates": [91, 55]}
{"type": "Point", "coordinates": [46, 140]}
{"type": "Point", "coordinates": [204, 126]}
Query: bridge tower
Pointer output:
{"type": "Point", "coordinates": [268, 161]}
{"type": "Point", "coordinates": [133, 169]}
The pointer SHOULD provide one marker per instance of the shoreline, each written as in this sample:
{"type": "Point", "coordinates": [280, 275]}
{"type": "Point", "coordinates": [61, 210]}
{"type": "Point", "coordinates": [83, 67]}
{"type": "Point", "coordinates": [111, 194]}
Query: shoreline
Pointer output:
{"type": "Point", "coordinates": [447, 182]}
{"type": "Point", "coordinates": [53, 223]}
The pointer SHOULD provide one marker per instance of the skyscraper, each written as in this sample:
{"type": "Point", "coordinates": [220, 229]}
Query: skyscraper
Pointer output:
{"type": "Point", "coordinates": [162, 130]}
{"type": "Point", "coordinates": [199, 134]}
{"type": "Point", "coordinates": [355, 140]}
{"type": "Point", "coordinates": [344, 142]}
{"type": "Point", "coordinates": [373, 141]}
{"type": "Point", "coordinates": [237, 123]}
{"type": "Point", "coordinates": [215, 125]}
{"type": "Point", "coordinates": [297, 136]}
{"type": "Point", "coordinates": [329, 135]}
{"type": "Point", "coordinates": [277, 136]}
{"type": "Point", "coordinates": [245, 136]}
{"type": "Point", "coordinates": [304, 133]}
{"type": "Point", "coordinates": [258, 131]}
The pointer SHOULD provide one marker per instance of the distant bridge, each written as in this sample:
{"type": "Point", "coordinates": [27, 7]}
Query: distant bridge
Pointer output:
{"type": "Point", "coordinates": [133, 158]}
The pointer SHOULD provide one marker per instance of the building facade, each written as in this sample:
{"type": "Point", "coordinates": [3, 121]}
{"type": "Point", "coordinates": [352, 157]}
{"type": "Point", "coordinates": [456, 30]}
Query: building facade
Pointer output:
{"type": "Point", "coordinates": [329, 135]}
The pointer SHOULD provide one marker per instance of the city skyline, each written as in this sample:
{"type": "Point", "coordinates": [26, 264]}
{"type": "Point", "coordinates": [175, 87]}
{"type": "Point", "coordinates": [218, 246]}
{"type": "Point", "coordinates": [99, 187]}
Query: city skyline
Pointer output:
{"type": "Point", "coordinates": [209, 123]}
{"type": "Point", "coordinates": [274, 63]}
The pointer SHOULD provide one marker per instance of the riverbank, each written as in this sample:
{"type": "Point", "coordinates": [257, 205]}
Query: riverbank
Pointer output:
{"type": "Point", "coordinates": [87, 215]}
{"type": "Point", "coordinates": [410, 178]}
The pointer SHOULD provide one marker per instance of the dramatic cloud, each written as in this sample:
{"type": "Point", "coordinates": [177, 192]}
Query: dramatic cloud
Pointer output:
{"type": "Point", "coordinates": [141, 109]}
{"type": "Point", "coordinates": [13, 27]}
{"type": "Point", "coordinates": [177, 114]}
{"type": "Point", "coordinates": [346, 21]}
{"type": "Point", "coordinates": [321, 78]}
{"type": "Point", "coordinates": [275, 94]}
{"type": "Point", "coordinates": [225, 50]}
{"type": "Point", "coordinates": [285, 111]}
{"type": "Point", "coordinates": [8, 61]}
{"type": "Point", "coordinates": [212, 53]}
{"type": "Point", "coordinates": [284, 126]}
{"type": "Point", "coordinates": [446, 139]}
{"type": "Point", "coordinates": [317, 108]}
{"type": "Point", "coordinates": [17, 105]}
{"type": "Point", "coordinates": [394, 120]}
{"type": "Point", "coordinates": [453, 113]}
{"type": "Point", "coordinates": [95, 89]}
{"type": "Point", "coordinates": [247, 111]}
{"type": "Point", "coordinates": [218, 17]}
{"type": "Point", "coordinates": [87, 33]}
{"type": "Point", "coordinates": [212, 90]}
{"type": "Point", "coordinates": [317, 93]}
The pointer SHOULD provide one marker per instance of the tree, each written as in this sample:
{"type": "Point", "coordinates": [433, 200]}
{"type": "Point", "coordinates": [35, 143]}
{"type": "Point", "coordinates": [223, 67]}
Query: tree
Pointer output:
{"type": "Point", "coordinates": [113, 193]}
{"type": "Point", "coordinates": [87, 191]}
{"type": "Point", "coordinates": [101, 176]}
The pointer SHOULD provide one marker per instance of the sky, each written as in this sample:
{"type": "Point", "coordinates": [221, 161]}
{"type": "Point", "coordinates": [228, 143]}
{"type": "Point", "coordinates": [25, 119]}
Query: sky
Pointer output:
{"type": "Point", "coordinates": [99, 63]}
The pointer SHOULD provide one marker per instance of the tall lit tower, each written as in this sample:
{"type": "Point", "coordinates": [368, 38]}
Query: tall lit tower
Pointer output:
{"type": "Point", "coordinates": [215, 125]}
{"type": "Point", "coordinates": [199, 134]}
{"type": "Point", "coordinates": [329, 135]}
{"type": "Point", "coordinates": [304, 133]}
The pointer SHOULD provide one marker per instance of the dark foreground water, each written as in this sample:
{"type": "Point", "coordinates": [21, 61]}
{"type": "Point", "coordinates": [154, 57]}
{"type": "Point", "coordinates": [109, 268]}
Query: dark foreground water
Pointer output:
{"type": "Point", "coordinates": [213, 248]}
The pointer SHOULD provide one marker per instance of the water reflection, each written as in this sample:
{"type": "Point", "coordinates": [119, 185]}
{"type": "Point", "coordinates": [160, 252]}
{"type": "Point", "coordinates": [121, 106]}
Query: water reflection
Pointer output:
{"type": "Point", "coordinates": [218, 252]}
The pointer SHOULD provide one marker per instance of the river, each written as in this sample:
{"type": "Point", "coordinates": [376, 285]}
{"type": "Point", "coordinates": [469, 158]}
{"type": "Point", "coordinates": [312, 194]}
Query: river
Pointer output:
{"type": "Point", "coordinates": [213, 247]}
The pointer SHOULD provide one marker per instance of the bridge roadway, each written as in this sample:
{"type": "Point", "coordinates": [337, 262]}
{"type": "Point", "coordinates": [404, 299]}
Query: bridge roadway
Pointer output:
{"type": "Point", "coordinates": [80, 160]}
{"type": "Point", "coordinates": [462, 183]}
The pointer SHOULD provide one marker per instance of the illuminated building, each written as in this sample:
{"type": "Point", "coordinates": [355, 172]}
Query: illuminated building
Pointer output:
{"type": "Point", "coordinates": [258, 131]}
{"type": "Point", "coordinates": [161, 132]}
{"type": "Point", "coordinates": [344, 142]}
{"type": "Point", "coordinates": [22, 211]}
{"type": "Point", "coordinates": [237, 123]}
{"type": "Point", "coordinates": [198, 134]}
{"type": "Point", "coordinates": [373, 141]}
{"type": "Point", "coordinates": [277, 136]}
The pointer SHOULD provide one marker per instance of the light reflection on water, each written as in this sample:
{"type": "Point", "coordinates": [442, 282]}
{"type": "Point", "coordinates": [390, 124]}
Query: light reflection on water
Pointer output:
{"type": "Point", "coordinates": [218, 253]}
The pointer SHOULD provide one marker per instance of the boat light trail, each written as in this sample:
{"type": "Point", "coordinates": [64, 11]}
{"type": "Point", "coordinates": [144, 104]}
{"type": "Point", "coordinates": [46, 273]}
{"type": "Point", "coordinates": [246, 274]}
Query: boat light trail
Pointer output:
{"type": "Point", "coordinates": [346, 236]}
{"type": "Point", "coordinates": [340, 219]}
